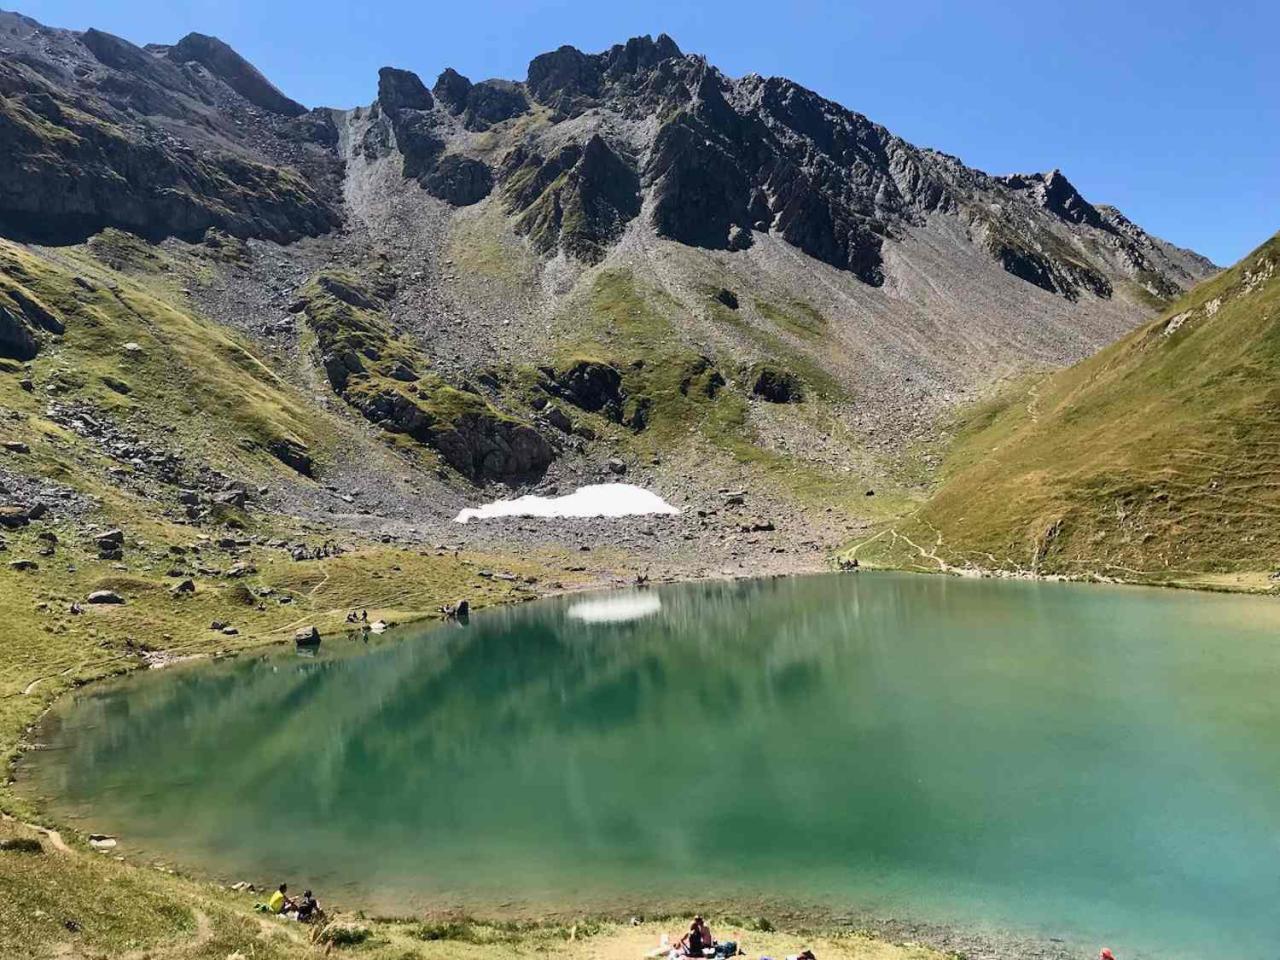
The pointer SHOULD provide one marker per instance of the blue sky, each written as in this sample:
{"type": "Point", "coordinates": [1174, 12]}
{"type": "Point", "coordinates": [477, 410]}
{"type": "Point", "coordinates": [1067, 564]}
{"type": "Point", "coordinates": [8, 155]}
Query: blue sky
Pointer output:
{"type": "Point", "coordinates": [1169, 110]}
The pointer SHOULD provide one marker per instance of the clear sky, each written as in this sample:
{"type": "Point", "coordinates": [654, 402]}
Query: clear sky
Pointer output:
{"type": "Point", "coordinates": [1169, 109]}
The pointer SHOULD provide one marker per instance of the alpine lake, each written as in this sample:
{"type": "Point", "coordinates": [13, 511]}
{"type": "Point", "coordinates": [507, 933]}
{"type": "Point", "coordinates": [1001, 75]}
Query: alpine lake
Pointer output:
{"type": "Point", "coordinates": [1092, 764]}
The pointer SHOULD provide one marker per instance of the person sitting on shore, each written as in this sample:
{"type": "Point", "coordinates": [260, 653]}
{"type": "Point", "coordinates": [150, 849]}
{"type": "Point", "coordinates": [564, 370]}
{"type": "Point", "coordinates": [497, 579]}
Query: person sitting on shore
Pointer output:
{"type": "Point", "coordinates": [697, 941]}
{"type": "Point", "coordinates": [280, 901]}
{"type": "Point", "coordinates": [308, 908]}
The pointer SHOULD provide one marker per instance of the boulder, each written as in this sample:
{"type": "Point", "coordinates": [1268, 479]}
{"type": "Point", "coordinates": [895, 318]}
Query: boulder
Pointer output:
{"type": "Point", "coordinates": [17, 341]}
{"type": "Point", "coordinates": [776, 385]}
{"type": "Point", "coordinates": [232, 498]}
{"type": "Point", "coordinates": [13, 515]}
{"type": "Point", "coordinates": [616, 466]}
{"type": "Point", "coordinates": [727, 297]}
{"type": "Point", "coordinates": [112, 538]}
{"type": "Point", "coordinates": [307, 637]}
{"type": "Point", "coordinates": [105, 596]}
{"type": "Point", "coordinates": [589, 385]}
{"type": "Point", "coordinates": [21, 845]}
{"type": "Point", "coordinates": [292, 453]}
{"type": "Point", "coordinates": [16, 446]}
{"type": "Point", "coordinates": [558, 419]}
{"type": "Point", "coordinates": [23, 565]}
{"type": "Point", "coordinates": [186, 586]}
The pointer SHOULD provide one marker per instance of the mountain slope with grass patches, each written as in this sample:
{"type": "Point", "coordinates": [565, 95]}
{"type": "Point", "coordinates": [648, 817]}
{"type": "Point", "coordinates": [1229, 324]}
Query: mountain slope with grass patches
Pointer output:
{"type": "Point", "coordinates": [1157, 459]}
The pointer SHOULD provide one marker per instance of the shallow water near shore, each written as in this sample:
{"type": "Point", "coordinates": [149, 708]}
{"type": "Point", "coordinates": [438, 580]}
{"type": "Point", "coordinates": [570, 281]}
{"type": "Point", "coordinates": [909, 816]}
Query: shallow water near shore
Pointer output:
{"type": "Point", "coordinates": [1097, 764]}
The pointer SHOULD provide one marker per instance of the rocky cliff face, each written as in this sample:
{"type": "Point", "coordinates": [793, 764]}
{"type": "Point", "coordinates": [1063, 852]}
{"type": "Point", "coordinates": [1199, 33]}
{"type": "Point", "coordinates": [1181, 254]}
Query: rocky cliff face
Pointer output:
{"type": "Point", "coordinates": [171, 140]}
{"type": "Point", "coordinates": [717, 162]}
{"type": "Point", "coordinates": [166, 141]}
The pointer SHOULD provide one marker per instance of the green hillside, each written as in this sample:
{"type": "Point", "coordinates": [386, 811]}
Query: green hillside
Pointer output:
{"type": "Point", "coordinates": [1157, 459]}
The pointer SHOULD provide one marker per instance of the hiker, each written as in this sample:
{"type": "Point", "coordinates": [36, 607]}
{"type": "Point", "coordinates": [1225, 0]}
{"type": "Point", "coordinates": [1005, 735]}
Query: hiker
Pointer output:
{"type": "Point", "coordinates": [364, 616]}
{"type": "Point", "coordinates": [1106, 954]}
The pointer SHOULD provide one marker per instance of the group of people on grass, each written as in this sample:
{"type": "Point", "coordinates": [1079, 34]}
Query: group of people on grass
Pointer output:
{"type": "Point", "coordinates": [699, 942]}
{"type": "Point", "coordinates": [305, 909]}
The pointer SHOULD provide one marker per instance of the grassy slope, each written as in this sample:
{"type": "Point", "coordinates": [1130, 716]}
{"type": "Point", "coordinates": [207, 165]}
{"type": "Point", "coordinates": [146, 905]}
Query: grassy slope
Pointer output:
{"type": "Point", "coordinates": [1156, 459]}
{"type": "Point", "coordinates": [619, 320]}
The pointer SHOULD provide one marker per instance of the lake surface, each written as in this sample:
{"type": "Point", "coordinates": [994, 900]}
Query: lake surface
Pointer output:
{"type": "Point", "coordinates": [1091, 763]}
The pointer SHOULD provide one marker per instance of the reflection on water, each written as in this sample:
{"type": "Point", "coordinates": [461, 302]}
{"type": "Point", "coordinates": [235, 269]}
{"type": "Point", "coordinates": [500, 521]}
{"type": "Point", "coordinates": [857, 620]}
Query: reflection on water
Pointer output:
{"type": "Point", "coordinates": [617, 607]}
{"type": "Point", "coordinates": [1092, 763]}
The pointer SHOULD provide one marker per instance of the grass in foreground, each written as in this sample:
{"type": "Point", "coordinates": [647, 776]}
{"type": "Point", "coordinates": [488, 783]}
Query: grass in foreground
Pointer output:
{"type": "Point", "coordinates": [71, 904]}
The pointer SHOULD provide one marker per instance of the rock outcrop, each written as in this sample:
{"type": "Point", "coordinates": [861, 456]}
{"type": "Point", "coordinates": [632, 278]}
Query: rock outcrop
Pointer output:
{"type": "Point", "coordinates": [578, 200]}
{"type": "Point", "coordinates": [99, 132]}
{"type": "Point", "coordinates": [386, 380]}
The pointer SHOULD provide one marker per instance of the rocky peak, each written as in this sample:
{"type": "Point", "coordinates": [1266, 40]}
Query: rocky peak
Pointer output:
{"type": "Point", "coordinates": [402, 90]}
{"type": "Point", "coordinates": [637, 54]}
{"type": "Point", "coordinates": [235, 71]}
{"type": "Point", "coordinates": [452, 89]}
{"type": "Point", "coordinates": [562, 76]}
{"type": "Point", "coordinates": [492, 101]}
{"type": "Point", "coordinates": [1055, 193]}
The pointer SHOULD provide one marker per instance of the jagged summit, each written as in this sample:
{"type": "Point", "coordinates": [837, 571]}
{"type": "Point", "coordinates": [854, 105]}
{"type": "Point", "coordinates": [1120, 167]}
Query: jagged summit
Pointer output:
{"type": "Point", "coordinates": [234, 70]}
{"type": "Point", "coordinates": [721, 161]}
{"type": "Point", "coordinates": [706, 160]}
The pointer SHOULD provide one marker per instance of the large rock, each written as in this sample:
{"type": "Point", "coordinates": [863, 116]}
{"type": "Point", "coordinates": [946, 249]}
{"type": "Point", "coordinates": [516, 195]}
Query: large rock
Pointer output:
{"type": "Point", "coordinates": [17, 339]}
{"type": "Point", "coordinates": [24, 321]}
{"type": "Point", "coordinates": [307, 637]}
{"type": "Point", "coordinates": [776, 385]}
{"type": "Point", "coordinates": [589, 385]}
{"type": "Point", "coordinates": [105, 596]}
{"type": "Point", "coordinates": [14, 515]}
{"type": "Point", "coordinates": [452, 90]}
{"type": "Point", "coordinates": [292, 453]}
{"type": "Point", "coordinates": [486, 448]}
{"type": "Point", "coordinates": [459, 180]}
{"type": "Point", "coordinates": [402, 90]}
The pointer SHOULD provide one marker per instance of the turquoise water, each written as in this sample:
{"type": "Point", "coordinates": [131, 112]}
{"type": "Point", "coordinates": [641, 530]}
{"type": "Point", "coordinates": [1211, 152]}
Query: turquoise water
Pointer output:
{"type": "Point", "coordinates": [1090, 763]}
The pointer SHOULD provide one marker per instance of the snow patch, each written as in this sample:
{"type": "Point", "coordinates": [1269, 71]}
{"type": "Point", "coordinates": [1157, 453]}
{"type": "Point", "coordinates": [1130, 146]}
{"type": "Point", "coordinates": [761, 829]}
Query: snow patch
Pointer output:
{"type": "Point", "coordinates": [595, 500]}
